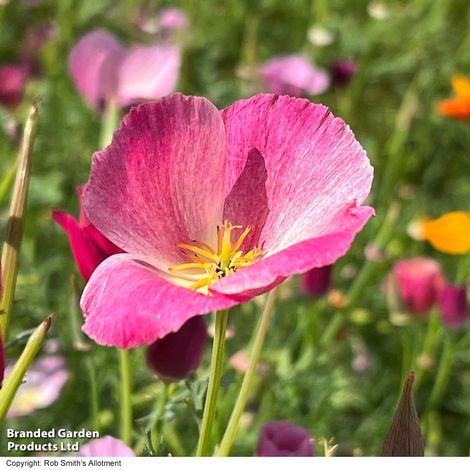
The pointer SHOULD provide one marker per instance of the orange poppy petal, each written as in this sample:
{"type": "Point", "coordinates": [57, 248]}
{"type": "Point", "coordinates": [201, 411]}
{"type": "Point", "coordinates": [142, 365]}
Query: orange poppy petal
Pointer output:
{"type": "Point", "coordinates": [461, 86]}
{"type": "Point", "coordinates": [449, 233]}
{"type": "Point", "coordinates": [454, 108]}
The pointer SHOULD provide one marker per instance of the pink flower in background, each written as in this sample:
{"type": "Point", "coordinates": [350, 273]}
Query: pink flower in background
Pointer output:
{"type": "Point", "coordinates": [103, 70]}
{"type": "Point", "coordinates": [42, 385]}
{"type": "Point", "coordinates": [317, 281]}
{"type": "Point", "coordinates": [294, 75]}
{"type": "Point", "coordinates": [453, 305]}
{"type": "Point", "coordinates": [94, 63]}
{"type": "Point", "coordinates": [12, 85]}
{"type": "Point", "coordinates": [175, 356]}
{"type": "Point", "coordinates": [418, 282]}
{"type": "Point", "coordinates": [214, 208]}
{"type": "Point", "coordinates": [148, 73]}
{"type": "Point", "coordinates": [106, 446]}
{"type": "Point", "coordinates": [285, 439]}
{"type": "Point", "coordinates": [89, 247]}
{"type": "Point", "coordinates": [342, 71]}
{"type": "Point", "coordinates": [172, 18]}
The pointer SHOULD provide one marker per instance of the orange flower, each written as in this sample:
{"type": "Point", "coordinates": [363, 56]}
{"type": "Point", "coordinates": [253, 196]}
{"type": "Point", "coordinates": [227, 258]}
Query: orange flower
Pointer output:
{"type": "Point", "coordinates": [457, 107]}
{"type": "Point", "coordinates": [449, 233]}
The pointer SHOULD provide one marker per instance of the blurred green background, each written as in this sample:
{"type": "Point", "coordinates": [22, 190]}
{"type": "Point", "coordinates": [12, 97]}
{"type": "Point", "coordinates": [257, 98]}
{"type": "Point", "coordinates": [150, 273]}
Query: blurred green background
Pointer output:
{"type": "Point", "coordinates": [422, 166]}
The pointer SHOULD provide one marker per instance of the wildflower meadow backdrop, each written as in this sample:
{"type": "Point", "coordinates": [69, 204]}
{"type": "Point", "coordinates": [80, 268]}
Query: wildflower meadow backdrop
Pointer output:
{"type": "Point", "coordinates": [301, 168]}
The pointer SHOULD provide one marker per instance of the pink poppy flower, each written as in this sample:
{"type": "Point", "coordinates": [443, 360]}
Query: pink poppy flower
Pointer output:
{"type": "Point", "coordinates": [453, 303]}
{"type": "Point", "coordinates": [176, 179]}
{"type": "Point", "coordinates": [294, 75]}
{"type": "Point", "coordinates": [284, 439]}
{"type": "Point", "coordinates": [178, 354]}
{"type": "Point", "coordinates": [42, 385]}
{"type": "Point", "coordinates": [12, 85]}
{"type": "Point", "coordinates": [317, 281]}
{"type": "Point", "coordinates": [103, 69]}
{"type": "Point", "coordinates": [93, 64]}
{"type": "Point", "coordinates": [148, 73]}
{"type": "Point", "coordinates": [89, 246]}
{"type": "Point", "coordinates": [418, 281]}
{"type": "Point", "coordinates": [106, 446]}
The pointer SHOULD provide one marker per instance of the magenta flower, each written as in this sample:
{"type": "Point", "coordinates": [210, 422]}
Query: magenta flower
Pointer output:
{"type": "Point", "coordinates": [104, 70]}
{"type": "Point", "coordinates": [342, 71]}
{"type": "Point", "coordinates": [214, 208]}
{"type": "Point", "coordinates": [284, 439]}
{"type": "Point", "coordinates": [418, 282]}
{"type": "Point", "coordinates": [12, 85]}
{"type": "Point", "coordinates": [453, 303]}
{"type": "Point", "coordinates": [42, 386]}
{"type": "Point", "coordinates": [317, 281]}
{"type": "Point", "coordinates": [178, 354]}
{"type": "Point", "coordinates": [294, 75]}
{"type": "Point", "coordinates": [89, 246]}
{"type": "Point", "coordinates": [106, 446]}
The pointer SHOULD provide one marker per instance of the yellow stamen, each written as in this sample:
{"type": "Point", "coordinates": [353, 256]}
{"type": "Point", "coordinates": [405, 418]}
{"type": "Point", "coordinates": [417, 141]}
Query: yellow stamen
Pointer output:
{"type": "Point", "coordinates": [215, 264]}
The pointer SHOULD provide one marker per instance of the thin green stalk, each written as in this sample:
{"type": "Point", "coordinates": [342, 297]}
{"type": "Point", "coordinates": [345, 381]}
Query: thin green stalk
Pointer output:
{"type": "Point", "coordinates": [156, 423]}
{"type": "Point", "coordinates": [249, 378]}
{"type": "Point", "coordinates": [94, 397]}
{"type": "Point", "coordinates": [125, 403]}
{"type": "Point", "coordinates": [12, 246]}
{"type": "Point", "coordinates": [109, 123]}
{"type": "Point", "coordinates": [7, 180]}
{"type": "Point", "coordinates": [14, 379]}
{"type": "Point", "coordinates": [443, 373]}
{"type": "Point", "coordinates": [429, 346]}
{"type": "Point", "coordinates": [221, 319]}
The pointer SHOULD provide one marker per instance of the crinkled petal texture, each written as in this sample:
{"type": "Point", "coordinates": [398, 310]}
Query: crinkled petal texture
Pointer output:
{"type": "Point", "coordinates": [94, 64]}
{"type": "Point", "coordinates": [148, 73]}
{"type": "Point", "coordinates": [318, 176]}
{"type": "Point", "coordinates": [177, 168]}
{"type": "Point", "coordinates": [128, 304]}
{"type": "Point", "coordinates": [161, 181]}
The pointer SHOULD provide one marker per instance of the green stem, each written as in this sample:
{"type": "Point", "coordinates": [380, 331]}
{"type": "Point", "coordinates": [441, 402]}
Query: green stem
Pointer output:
{"type": "Point", "coordinates": [249, 378]}
{"type": "Point", "coordinates": [125, 403]}
{"type": "Point", "coordinates": [443, 373]}
{"type": "Point", "coordinates": [429, 347]}
{"type": "Point", "coordinates": [12, 246]}
{"type": "Point", "coordinates": [157, 419]}
{"type": "Point", "coordinates": [109, 123]}
{"type": "Point", "coordinates": [218, 347]}
{"type": "Point", "coordinates": [14, 379]}
{"type": "Point", "coordinates": [94, 398]}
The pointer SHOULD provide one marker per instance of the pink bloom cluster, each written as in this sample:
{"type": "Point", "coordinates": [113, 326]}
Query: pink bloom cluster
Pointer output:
{"type": "Point", "coordinates": [421, 285]}
{"type": "Point", "coordinates": [12, 85]}
{"type": "Point", "coordinates": [103, 69]}
{"type": "Point", "coordinates": [181, 177]}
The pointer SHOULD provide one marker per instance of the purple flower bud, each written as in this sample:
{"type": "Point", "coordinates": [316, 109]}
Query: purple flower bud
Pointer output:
{"type": "Point", "coordinates": [418, 282]}
{"type": "Point", "coordinates": [342, 71]}
{"type": "Point", "coordinates": [284, 439]}
{"type": "Point", "coordinates": [453, 305]}
{"type": "Point", "coordinates": [176, 355]}
{"type": "Point", "coordinates": [317, 281]}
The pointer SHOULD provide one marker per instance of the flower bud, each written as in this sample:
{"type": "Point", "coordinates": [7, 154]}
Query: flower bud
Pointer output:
{"type": "Point", "coordinates": [417, 281]}
{"type": "Point", "coordinates": [453, 304]}
{"type": "Point", "coordinates": [317, 281]}
{"type": "Point", "coordinates": [342, 71]}
{"type": "Point", "coordinates": [284, 439]}
{"type": "Point", "coordinates": [176, 355]}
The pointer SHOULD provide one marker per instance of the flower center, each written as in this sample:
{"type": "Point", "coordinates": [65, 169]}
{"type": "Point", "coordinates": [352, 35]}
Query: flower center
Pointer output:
{"type": "Point", "coordinates": [208, 264]}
